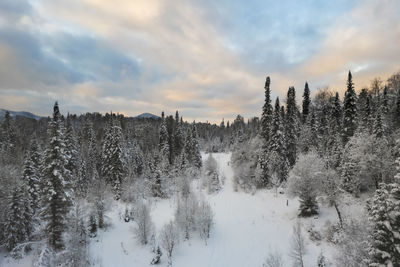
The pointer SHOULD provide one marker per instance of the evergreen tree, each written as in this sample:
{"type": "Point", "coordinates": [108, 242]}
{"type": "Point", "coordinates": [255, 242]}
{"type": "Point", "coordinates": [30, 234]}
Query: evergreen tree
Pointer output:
{"type": "Point", "coordinates": [8, 139]}
{"type": "Point", "coordinates": [306, 102]}
{"type": "Point", "coordinates": [31, 174]}
{"type": "Point", "coordinates": [178, 136]}
{"type": "Point", "coordinates": [278, 163]}
{"type": "Point", "coordinates": [337, 111]}
{"type": "Point", "coordinates": [266, 117]}
{"type": "Point", "coordinates": [349, 110]}
{"type": "Point", "coordinates": [113, 160]}
{"type": "Point", "coordinates": [56, 198]}
{"type": "Point", "coordinates": [385, 101]}
{"type": "Point", "coordinates": [349, 180]}
{"type": "Point", "coordinates": [164, 146]}
{"type": "Point", "coordinates": [378, 129]}
{"type": "Point", "coordinates": [397, 109]}
{"type": "Point", "coordinates": [266, 120]}
{"type": "Point", "coordinates": [16, 224]}
{"type": "Point", "coordinates": [291, 126]}
{"type": "Point", "coordinates": [192, 148]}
{"type": "Point", "coordinates": [70, 147]}
{"type": "Point", "coordinates": [365, 111]}
{"type": "Point", "coordinates": [384, 211]}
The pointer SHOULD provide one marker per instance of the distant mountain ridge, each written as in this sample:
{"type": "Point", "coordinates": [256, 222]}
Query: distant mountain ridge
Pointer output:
{"type": "Point", "coordinates": [146, 116]}
{"type": "Point", "coordinates": [27, 114]}
{"type": "Point", "coordinates": [18, 113]}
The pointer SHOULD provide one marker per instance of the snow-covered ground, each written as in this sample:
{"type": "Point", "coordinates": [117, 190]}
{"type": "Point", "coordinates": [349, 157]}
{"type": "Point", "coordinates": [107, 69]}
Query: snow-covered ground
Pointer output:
{"type": "Point", "coordinates": [246, 228]}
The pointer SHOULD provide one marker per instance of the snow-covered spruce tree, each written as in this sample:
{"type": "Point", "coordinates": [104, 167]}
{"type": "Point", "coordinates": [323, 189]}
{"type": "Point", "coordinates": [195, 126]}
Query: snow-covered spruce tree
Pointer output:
{"type": "Point", "coordinates": [379, 127]}
{"type": "Point", "coordinates": [179, 137]}
{"type": "Point", "coordinates": [163, 145]}
{"type": "Point", "coordinates": [266, 121]}
{"type": "Point", "coordinates": [70, 147]}
{"type": "Point", "coordinates": [306, 103]}
{"type": "Point", "coordinates": [305, 182]}
{"type": "Point", "coordinates": [89, 151]}
{"type": "Point", "coordinates": [291, 126]}
{"type": "Point", "coordinates": [349, 110]}
{"type": "Point", "coordinates": [145, 226]}
{"type": "Point", "coordinates": [212, 176]}
{"type": "Point", "coordinates": [278, 163]}
{"type": "Point", "coordinates": [113, 161]}
{"type": "Point", "coordinates": [81, 187]}
{"type": "Point", "coordinates": [16, 224]}
{"type": "Point", "coordinates": [169, 237]}
{"type": "Point", "coordinates": [56, 191]}
{"type": "Point", "coordinates": [192, 148]}
{"type": "Point", "coordinates": [397, 109]}
{"type": "Point", "coordinates": [364, 111]}
{"type": "Point", "coordinates": [8, 140]}
{"type": "Point", "coordinates": [384, 211]}
{"type": "Point", "coordinates": [337, 112]}
{"type": "Point", "coordinates": [134, 158]}
{"type": "Point", "coordinates": [31, 175]}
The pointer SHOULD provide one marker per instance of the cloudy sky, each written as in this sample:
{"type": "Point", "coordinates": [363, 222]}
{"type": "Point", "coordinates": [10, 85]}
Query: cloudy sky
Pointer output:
{"type": "Point", "coordinates": [207, 58]}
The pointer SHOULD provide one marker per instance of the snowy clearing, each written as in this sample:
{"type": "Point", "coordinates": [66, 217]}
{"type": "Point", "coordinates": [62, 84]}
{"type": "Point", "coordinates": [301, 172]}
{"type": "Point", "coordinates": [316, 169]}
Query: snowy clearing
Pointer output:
{"type": "Point", "coordinates": [246, 228]}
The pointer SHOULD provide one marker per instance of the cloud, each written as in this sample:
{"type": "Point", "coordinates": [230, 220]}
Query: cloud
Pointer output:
{"type": "Point", "coordinates": [365, 40]}
{"type": "Point", "coordinates": [206, 58]}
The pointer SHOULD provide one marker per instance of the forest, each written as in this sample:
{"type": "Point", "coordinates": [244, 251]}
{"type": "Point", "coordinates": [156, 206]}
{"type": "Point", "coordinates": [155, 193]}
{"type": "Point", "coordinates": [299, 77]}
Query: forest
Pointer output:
{"type": "Point", "coordinates": [333, 160]}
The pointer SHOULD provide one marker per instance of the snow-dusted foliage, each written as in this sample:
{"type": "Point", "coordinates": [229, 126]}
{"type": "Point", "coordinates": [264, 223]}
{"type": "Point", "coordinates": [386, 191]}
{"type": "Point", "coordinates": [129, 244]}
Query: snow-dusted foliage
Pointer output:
{"type": "Point", "coordinates": [366, 162]}
{"type": "Point", "coordinates": [211, 172]}
{"type": "Point", "coordinates": [305, 181]}
{"type": "Point", "coordinates": [145, 228]}
{"type": "Point", "coordinates": [246, 163]}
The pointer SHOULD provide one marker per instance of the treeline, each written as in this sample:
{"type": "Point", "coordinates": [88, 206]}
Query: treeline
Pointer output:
{"type": "Point", "coordinates": [328, 146]}
{"type": "Point", "coordinates": [57, 175]}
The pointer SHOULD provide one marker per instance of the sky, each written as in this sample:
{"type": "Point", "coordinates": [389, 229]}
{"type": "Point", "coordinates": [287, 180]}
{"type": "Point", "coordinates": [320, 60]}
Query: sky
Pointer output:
{"type": "Point", "coordinates": [208, 59]}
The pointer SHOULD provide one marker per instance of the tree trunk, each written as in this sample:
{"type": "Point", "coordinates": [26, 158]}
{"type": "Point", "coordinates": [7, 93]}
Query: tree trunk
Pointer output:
{"type": "Point", "coordinates": [338, 213]}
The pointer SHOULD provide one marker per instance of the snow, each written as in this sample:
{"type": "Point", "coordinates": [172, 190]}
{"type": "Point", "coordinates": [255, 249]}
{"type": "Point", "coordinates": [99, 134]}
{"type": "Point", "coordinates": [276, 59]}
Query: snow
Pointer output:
{"type": "Point", "coordinates": [246, 228]}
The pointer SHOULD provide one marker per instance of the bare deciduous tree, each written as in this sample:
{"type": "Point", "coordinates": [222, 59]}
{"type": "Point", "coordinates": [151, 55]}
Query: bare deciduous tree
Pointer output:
{"type": "Point", "coordinates": [145, 225]}
{"type": "Point", "coordinates": [298, 248]}
{"type": "Point", "coordinates": [169, 239]}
